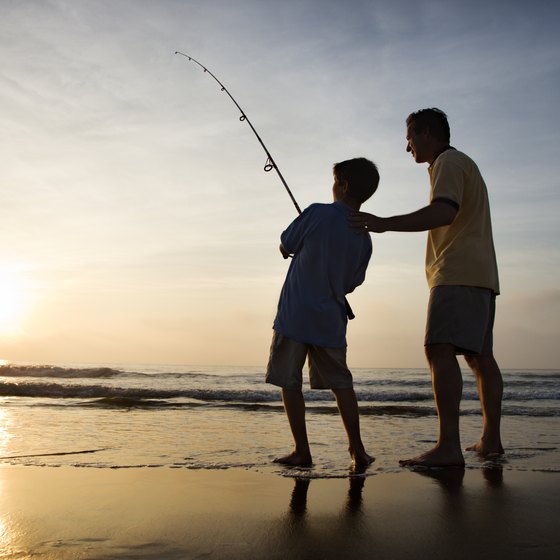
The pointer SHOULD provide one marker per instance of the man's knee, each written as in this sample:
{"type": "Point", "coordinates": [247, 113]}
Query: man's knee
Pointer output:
{"type": "Point", "coordinates": [480, 363]}
{"type": "Point", "coordinates": [472, 361]}
{"type": "Point", "coordinates": [439, 352]}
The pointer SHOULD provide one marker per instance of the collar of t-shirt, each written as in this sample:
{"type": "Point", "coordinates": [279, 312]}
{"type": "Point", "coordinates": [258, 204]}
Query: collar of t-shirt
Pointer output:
{"type": "Point", "coordinates": [444, 150]}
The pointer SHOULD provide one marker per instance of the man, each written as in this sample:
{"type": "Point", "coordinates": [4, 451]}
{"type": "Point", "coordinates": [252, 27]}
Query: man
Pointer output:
{"type": "Point", "coordinates": [462, 276]}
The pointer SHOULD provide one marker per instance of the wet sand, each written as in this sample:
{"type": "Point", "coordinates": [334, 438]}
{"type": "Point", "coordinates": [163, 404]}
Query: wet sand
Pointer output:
{"type": "Point", "coordinates": [164, 513]}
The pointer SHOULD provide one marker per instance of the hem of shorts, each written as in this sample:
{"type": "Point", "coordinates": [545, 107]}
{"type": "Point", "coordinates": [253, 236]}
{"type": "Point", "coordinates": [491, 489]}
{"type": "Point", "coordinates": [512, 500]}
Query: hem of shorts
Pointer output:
{"type": "Point", "coordinates": [330, 388]}
{"type": "Point", "coordinates": [300, 387]}
{"type": "Point", "coordinates": [277, 384]}
{"type": "Point", "coordinates": [460, 350]}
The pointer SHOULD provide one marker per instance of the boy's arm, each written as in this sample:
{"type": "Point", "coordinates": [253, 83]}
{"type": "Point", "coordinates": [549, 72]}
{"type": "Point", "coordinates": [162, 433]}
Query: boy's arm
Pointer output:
{"type": "Point", "coordinates": [437, 214]}
{"type": "Point", "coordinates": [284, 251]}
{"type": "Point", "coordinates": [292, 237]}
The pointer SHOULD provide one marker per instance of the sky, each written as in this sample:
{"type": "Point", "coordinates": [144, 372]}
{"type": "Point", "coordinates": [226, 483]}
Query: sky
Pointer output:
{"type": "Point", "coordinates": [137, 224]}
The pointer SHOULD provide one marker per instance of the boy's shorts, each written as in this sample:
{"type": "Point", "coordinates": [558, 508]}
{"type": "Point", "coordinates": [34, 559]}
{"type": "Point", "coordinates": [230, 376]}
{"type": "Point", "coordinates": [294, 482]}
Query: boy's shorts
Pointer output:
{"type": "Point", "coordinates": [327, 366]}
{"type": "Point", "coordinates": [462, 316]}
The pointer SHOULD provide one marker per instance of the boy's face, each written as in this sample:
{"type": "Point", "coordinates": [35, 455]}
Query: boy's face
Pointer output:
{"type": "Point", "coordinates": [339, 189]}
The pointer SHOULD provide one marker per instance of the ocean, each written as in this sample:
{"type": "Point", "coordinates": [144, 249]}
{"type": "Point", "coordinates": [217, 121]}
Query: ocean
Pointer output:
{"type": "Point", "coordinates": [190, 417]}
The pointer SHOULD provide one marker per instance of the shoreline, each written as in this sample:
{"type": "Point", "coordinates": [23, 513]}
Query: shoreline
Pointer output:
{"type": "Point", "coordinates": [165, 513]}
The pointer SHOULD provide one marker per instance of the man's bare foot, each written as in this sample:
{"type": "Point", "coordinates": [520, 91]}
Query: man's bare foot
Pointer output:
{"type": "Point", "coordinates": [486, 450]}
{"type": "Point", "coordinates": [436, 457]}
{"type": "Point", "coordinates": [295, 459]}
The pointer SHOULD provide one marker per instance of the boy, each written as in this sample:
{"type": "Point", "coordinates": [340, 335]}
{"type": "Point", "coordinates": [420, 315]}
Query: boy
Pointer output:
{"type": "Point", "coordinates": [329, 261]}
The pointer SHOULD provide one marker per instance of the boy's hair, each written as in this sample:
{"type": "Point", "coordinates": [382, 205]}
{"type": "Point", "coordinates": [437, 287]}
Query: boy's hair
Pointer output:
{"type": "Point", "coordinates": [433, 119]}
{"type": "Point", "coordinates": [360, 174]}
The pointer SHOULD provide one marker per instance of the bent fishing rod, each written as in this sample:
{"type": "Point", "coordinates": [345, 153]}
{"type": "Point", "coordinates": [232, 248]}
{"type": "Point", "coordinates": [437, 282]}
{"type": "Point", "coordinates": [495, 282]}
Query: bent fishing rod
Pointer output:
{"type": "Point", "coordinates": [270, 163]}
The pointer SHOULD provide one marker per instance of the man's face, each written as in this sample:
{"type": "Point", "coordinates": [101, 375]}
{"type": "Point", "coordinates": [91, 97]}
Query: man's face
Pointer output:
{"type": "Point", "coordinates": [417, 144]}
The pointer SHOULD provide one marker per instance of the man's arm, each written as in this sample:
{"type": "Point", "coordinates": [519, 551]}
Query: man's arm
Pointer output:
{"type": "Point", "coordinates": [437, 214]}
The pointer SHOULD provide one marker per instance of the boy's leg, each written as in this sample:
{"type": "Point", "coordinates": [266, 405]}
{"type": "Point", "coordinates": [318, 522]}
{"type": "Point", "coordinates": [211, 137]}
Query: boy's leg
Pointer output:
{"type": "Point", "coordinates": [294, 404]}
{"type": "Point", "coordinates": [285, 365]}
{"type": "Point", "coordinates": [328, 369]}
{"type": "Point", "coordinates": [348, 407]}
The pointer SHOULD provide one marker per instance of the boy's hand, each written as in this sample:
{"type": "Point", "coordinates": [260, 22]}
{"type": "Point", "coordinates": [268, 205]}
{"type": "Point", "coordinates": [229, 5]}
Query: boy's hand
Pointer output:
{"type": "Point", "coordinates": [366, 223]}
{"type": "Point", "coordinates": [285, 253]}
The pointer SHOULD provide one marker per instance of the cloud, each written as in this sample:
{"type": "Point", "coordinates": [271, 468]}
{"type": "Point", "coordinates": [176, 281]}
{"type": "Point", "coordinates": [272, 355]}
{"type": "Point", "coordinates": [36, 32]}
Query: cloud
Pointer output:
{"type": "Point", "coordinates": [130, 185]}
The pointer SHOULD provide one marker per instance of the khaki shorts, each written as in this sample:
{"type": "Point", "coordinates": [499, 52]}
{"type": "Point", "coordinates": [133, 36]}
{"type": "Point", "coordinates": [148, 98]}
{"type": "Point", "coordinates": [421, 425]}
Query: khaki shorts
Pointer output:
{"type": "Point", "coordinates": [327, 366]}
{"type": "Point", "coordinates": [462, 316]}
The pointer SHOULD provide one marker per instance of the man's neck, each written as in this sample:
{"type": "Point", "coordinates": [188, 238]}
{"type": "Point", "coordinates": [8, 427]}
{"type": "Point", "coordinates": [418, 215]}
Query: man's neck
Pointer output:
{"type": "Point", "coordinates": [437, 151]}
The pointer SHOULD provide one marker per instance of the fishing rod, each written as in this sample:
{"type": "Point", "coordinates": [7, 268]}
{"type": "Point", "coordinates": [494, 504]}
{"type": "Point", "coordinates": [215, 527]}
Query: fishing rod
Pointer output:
{"type": "Point", "coordinates": [270, 163]}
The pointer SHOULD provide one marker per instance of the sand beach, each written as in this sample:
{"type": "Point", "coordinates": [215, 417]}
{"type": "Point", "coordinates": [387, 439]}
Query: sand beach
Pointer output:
{"type": "Point", "coordinates": [165, 513]}
{"type": "Point", "coordinates": [168, 463]}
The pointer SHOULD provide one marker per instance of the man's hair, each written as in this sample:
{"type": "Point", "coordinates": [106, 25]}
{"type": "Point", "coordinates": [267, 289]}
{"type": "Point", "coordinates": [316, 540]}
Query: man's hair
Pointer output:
{"type": "Point", "coordinates": [433, 119]}
{"type": "Point", "coordinates": [360, 174]}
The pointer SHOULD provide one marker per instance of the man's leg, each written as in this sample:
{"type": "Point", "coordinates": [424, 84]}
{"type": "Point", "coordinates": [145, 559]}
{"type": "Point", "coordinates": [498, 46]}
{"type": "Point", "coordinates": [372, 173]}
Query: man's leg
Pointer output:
{"type": "Point", "coordinates": [447, 385]}
{"type": "Point", "coordinates": [348, 407]}
{"type": "Point", "coordinates": [294, 404]}
{"type": "Point", "coordinates": [490, 390]}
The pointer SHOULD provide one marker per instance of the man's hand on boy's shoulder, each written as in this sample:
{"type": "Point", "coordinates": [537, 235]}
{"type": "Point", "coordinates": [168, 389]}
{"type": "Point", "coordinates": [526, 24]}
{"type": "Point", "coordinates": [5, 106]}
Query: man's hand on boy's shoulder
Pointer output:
{"type": "Point", "coordinates": [284, 252]}
{"type": "Point", "coordinates": [366, 223]}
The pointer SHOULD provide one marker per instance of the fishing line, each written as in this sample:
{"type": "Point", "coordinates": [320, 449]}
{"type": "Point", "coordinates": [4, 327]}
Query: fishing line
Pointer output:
{"type": "Point", "coordinates": [270, 163]}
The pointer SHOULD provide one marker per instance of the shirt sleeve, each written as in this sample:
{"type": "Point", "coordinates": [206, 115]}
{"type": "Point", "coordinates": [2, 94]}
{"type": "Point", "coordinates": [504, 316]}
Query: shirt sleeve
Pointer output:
{"type": "Point", "coordinates": [447, 183]}
{"type": "Point", "coordinates": [292, 237]}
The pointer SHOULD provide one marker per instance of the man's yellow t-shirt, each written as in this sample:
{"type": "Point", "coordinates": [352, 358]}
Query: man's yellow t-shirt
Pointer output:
{"type": "Point", "coordinates": [462, 253]}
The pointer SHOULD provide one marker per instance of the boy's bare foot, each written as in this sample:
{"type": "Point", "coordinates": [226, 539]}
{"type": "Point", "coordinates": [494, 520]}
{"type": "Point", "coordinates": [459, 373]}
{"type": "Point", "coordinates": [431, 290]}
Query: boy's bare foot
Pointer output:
{"type": "Point", "coordinates": [295, 459]}
{"type": "Point", "coordinates": [436, 457]}
{"type": "Point", "coordinates": [486, 450]}
{"type": "Point", "coordinates": [361, 460]}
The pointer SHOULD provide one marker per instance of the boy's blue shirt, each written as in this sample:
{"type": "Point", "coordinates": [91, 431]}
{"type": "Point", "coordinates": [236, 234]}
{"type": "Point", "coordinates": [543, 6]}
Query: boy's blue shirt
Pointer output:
{"type": "Point", "coordinates": [330, 261]}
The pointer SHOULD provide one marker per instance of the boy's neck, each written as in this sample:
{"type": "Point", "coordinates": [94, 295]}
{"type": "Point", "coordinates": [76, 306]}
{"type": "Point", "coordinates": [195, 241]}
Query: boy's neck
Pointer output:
{"type": "Point", "coordinates": [352, 203]}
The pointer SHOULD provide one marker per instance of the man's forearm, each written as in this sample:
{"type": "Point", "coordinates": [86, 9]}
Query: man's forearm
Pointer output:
{"type": "Point", "coordinates": [430, 217]}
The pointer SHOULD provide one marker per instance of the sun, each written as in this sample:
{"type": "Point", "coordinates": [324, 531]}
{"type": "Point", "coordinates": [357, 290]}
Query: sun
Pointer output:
{"type": "Point", "coordinates": [13, 300]}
